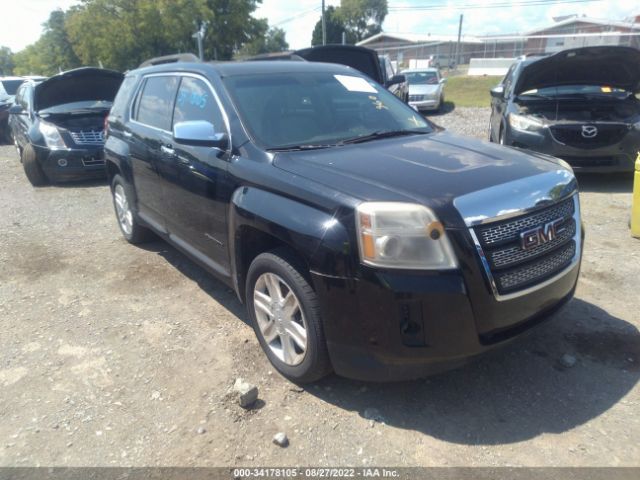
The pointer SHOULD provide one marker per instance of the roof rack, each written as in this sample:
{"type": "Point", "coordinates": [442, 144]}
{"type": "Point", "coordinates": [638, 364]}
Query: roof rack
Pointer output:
{"type": "Point", "coordinates": [289, 55]}
{"type": "Point", "coordinates": [178, 57]}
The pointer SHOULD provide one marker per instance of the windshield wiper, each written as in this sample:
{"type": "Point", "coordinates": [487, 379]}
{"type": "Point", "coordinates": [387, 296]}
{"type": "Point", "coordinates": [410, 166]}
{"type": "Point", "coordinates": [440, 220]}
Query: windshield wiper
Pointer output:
{"type": "Point", "coordinates": [298, 148]}
{"type": "Point", "coordinates": [381, 134]}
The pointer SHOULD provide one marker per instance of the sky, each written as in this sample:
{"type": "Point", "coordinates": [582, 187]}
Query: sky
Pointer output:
{"type": "Point", "coordinates": [298, 17]}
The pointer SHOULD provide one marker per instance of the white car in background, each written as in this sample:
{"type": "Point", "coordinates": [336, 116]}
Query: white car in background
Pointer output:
{"type": "Point", "coordinates": [426, 88]}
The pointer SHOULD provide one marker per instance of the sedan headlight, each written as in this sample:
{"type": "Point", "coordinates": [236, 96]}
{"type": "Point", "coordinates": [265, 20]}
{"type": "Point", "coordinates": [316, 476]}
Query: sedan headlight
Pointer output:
{"type": "Point", "coordinates": [524, 123]}
{"type": "Point", "coordinates": [51, 135]}
{"type": "Point", "coordinates": [402, 235]}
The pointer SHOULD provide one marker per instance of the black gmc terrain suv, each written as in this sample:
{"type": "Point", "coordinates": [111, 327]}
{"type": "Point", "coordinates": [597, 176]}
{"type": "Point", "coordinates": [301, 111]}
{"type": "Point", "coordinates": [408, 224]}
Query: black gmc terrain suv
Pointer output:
{"type": "Point", "coordinates": [362, 238]}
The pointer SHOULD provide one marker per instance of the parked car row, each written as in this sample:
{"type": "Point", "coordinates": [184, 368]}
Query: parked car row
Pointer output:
{"type": "Point", "coordinates": [362, 238]}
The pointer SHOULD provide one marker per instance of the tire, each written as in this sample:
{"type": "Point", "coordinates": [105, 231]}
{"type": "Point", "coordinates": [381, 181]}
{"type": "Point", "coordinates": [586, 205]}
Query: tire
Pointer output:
{"type": "Point", "coordinates": [278, 274]}
{"type": "Point", "coordinates": [32, 168]}
{"type": "Point", "coordinates": [131, 229]}
{"type": "Point", "coordinates": [501, 136]}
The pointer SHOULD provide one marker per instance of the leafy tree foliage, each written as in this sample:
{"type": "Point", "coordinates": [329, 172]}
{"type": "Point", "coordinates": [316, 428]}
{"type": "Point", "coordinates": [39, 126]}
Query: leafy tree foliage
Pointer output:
{"type": "Point", "coordinates": [52, 53]}
{"type": "Point", "coordinates": [359, 19]}
{"type": "Point", "coordinates": [334, 24]}
{"type": "Point", "coordinates": [266, 40]}
{"type": "Point", "coordinates": [6, 61]}
{"type": "Point", "coordinates": [121, 34]}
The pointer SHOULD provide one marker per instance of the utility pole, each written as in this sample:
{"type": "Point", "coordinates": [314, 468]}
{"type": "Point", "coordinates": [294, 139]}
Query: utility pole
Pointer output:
{"type": "Point", "coordinates": [458, 44]}
{"type": "Point", "coordinates": [324, 27]}
{"type": "Point", "coordinates": [199, 36]}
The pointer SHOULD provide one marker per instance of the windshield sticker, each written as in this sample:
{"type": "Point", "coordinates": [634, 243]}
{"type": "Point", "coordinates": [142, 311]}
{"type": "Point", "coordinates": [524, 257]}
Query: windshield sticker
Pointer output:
{"type": "Point", "coordinates": [355, 84]}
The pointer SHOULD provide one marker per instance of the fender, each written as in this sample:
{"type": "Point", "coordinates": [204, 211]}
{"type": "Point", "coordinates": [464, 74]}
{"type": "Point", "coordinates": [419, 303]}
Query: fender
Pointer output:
{"type": "Point", "coordinates": [116, 152]}
{"type": "Point", "coordinates": [318, 236]}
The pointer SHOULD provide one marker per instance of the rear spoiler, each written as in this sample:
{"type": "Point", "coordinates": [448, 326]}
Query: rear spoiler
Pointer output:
{"type": "Point", "coordinates": [178, 57]}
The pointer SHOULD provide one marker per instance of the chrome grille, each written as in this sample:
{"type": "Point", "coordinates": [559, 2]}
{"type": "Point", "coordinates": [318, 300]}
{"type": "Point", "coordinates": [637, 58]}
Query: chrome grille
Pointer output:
{"type": "Point", "coordinates": [88, 137]}
{"type": "Point", "coordinates": [515, 254]}
{"type": "Point", "coordinates": [508, 231]}
{"type": "Point", "coordinates": [534, 272]}
{"type": "Point", "coordinates": [416, 98]}
{"type": "Point", "coordinates": [512, 267]}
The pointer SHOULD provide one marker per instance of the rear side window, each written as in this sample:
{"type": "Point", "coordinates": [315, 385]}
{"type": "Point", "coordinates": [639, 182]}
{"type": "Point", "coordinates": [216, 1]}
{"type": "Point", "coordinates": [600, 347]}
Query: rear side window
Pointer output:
{"type": "Point", "coordinates": [195, 101]}
{"type": "Point", "coordinates": [156, 101]}
{"type": "Point", "coordinates": [122, 98]}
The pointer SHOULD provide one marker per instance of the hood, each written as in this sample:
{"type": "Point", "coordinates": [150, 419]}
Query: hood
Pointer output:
{"type": "Point", "coordinates": [363, 59]}
{"type": "Point", "coordinates": [430, 169]}
{"type": "Point", "coordinates": [423, 89]}
{"type": "Point", "coordinates": [617, 67]}
{"type": "Point", "coordinates": [79, 85]}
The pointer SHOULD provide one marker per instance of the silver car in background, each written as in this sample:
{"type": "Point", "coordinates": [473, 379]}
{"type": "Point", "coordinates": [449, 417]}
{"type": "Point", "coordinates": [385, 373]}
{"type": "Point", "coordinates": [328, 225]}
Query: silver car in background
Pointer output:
{"type": "Point", "coordinates": [426, 88]}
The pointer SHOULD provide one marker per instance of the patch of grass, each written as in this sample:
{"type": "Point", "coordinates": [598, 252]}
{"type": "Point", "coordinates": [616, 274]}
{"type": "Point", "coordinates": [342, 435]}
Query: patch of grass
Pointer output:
{"type": "Point", "coordinates": [466, 91]}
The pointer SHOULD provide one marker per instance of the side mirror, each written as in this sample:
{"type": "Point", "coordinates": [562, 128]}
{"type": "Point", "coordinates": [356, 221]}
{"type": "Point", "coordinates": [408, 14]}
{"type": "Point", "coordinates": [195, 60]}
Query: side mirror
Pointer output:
{"type": "Point", "coordinates": [497, 92]}
{"type": "Point", "coordinates": [396, 79]}
{"type": "Point", "coordinates": [443, 81]}
{"type": "Point", "coordinates": [16, 110]}
{"type": "Point", "coordinates": [200, 133]}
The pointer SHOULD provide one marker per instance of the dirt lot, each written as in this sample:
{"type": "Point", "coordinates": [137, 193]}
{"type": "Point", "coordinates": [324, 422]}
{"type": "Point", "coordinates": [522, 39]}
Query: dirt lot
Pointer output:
{"type": "Point", "coordinates": [116, 355]}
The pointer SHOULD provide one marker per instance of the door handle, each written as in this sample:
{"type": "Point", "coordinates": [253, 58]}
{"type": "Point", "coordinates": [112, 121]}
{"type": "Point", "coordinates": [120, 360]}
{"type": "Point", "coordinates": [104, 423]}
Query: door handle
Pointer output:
{"type": "Point", "coordinates": [167, 150]}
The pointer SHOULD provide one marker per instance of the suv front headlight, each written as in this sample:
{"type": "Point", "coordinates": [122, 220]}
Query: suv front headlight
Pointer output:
{"type": "Point", "coordinates": [402, 235]}
{"type": "Point", "coordinates": [524, 123]}
{"type": "Point", "coordinates": [51, 135]}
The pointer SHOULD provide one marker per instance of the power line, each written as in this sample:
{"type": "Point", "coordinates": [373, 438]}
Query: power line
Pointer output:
{"type": "Point", "coordinates": [296, 16]}
{"type": "Point", "coordinates": [498, 4]}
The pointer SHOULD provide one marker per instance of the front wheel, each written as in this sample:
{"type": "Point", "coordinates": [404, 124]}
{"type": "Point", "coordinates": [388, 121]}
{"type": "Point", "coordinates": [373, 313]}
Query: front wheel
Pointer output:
{"type": "Point", "coordinates": [286, 317]}
{"type": "Point", "coordinates": [32, 168]}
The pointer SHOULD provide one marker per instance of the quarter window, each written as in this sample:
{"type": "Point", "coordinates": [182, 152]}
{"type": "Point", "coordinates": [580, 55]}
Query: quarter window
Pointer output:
{"type": "Point", "coordinates": [156, 101]}
{"type": "Point", "coordinates": [195, 101]}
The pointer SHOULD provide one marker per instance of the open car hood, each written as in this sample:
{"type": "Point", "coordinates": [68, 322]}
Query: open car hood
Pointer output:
{"type": "Point", "coordinates": [617, 67]}
{"type": "Point", "coordinates": [79, 85]}
{"type": "Point", "coordinates": [363, 59]}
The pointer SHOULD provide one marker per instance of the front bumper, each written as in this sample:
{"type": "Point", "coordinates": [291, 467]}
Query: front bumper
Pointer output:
{"type": "Point", "coordinates": [617, 157]}
{"type": "Point", "coordinates": [81, 164]}
{"type": "Point", "coordinates": [429, 104]}
{"type": "Point", "coordinates": [390, 326]}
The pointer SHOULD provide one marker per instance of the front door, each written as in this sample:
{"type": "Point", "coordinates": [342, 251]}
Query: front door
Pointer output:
{"type": "Point", "coordinates": [195, 180]}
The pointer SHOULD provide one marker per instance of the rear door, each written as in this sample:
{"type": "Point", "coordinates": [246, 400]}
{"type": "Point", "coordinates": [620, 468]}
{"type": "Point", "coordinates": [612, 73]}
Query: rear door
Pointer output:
{"type": "Point", "coordinates": [149, 130]}
{"type": "Point", "coordinates": [195, 187]}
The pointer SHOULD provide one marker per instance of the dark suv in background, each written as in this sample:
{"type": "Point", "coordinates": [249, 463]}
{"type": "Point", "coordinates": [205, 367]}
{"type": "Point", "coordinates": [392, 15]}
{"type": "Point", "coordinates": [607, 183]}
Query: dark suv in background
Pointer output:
{"type": "Point", "coordinates": [361, 238]}
{"type": "Point", "coordinates": [57, 125]}
{"type": "Point", "coordinates": [579, 105]}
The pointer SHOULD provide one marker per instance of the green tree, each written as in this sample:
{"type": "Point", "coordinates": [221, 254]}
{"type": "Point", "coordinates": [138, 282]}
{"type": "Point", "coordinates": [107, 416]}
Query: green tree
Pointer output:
{"type": "Point", "coordinates": [266, 40]}
{"type": "Point", "coordinates": [6, 61]}
{"type": "Point", "coordinates": [334, 25]}
{"type": "Point", "coordinates": [363, 18]}
{"type": "Point", "coordinates": [52, 52]}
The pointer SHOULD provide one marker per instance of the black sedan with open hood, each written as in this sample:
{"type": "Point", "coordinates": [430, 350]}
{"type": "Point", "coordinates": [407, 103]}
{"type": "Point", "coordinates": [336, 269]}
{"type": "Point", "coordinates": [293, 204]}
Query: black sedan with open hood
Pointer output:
{"type": "Point", "coordinates": [57, 125]}
{"type": "Point", "coordinates": [580, 105]}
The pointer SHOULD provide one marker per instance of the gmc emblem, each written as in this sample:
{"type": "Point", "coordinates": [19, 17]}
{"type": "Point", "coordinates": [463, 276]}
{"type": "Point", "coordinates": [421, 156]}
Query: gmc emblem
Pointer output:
{"type": "Point", "coordinates": [540, 235]}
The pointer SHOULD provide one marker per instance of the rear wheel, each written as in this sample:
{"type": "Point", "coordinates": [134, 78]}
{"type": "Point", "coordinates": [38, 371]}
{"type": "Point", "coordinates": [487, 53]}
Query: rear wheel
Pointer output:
{"type": "Point", "coordinates": [32, 168]}
{"type": "Point", "coordinates": [286, 317]}
{"type": "Point", "coordinates": [131, 229]}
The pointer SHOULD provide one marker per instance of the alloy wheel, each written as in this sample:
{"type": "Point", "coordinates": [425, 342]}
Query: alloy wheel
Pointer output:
{"type": "Point", "coordinates": [280, 318]}
{"type": "Point", "coordinates": [123, 211]}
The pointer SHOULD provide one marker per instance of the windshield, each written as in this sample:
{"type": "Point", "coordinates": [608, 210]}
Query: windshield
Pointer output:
{"type": "Point", "coordinates": [11, 86]}
{"type": "Point", "coordinates": [568, 90]}
{"type": "Point", "coordinates": [317, 108]}
{"type": "Point", "coordinates": [97, 105]}
{"type": "Point", "coordinates": [421, 78]}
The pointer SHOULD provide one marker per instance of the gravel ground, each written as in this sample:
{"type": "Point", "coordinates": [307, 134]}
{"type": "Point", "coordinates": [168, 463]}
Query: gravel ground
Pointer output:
{"type": "Point", "coordinates": [116, 355]}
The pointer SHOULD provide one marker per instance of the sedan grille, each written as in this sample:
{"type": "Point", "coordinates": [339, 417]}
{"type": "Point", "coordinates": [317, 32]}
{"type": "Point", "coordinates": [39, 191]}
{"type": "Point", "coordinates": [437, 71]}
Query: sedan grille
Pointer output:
{"type": "Point", "coordinates": [515, 264]}
{"type": "Point", "coordinates": [88, 137]}
{"type": "Point", "coordinates": [605, 134]}
{"type": "Point", "coordinates": [416, 98]}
